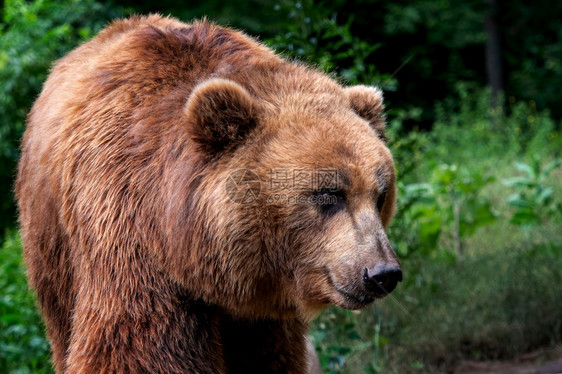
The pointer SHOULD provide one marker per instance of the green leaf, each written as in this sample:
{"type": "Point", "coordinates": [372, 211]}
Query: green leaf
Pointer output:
{"type": "Point", "coordinates": [544, 195]}
{"type": "Point", "coordinates": [445, 174]}
{"type": "Point", "coordinates": [549, 167]}
{"type": "Point", "coordinates": [524, 168]}
{"type": "Point", "coordinates": [520, 202]}
{"type": "Point", "coordinates": [519, 182]}
{"type": "Point", "coordinates": [524, 217]}
{"type": "Point", "coordinates": [417, 365]}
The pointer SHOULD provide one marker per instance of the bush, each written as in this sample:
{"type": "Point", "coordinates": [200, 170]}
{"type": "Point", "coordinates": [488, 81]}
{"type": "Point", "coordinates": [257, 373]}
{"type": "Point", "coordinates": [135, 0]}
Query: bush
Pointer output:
{"type": "Point", "coordinates": [489, 307]}
{"type": "Point", "coordinates": [23, 346]}
{"type": "Point", "coordinates": [315, 34]}
{"type": "Point", "coordinates": [534, 201]}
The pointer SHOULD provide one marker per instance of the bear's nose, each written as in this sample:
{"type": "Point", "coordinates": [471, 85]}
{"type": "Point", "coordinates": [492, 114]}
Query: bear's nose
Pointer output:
{"type": "Point", "coordinates": [382, 278]}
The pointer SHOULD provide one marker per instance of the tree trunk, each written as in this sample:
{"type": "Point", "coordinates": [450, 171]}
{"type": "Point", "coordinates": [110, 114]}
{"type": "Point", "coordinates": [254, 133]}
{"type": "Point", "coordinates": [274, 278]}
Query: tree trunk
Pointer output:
{"type": "Point", "coordinates": [493, 51]}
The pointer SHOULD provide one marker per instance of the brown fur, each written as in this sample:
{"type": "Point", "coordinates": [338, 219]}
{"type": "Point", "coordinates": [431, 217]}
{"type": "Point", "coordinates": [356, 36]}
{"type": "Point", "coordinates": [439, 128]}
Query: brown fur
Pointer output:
{"type": "Point", "coordinates": [140, 261]}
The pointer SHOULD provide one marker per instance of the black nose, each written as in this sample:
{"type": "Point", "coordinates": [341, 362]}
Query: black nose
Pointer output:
{"type": "Point", "coordinates": [382, 279]}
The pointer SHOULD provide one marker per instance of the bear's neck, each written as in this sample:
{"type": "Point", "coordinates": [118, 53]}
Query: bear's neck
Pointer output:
{"type": "Point", "coordinates": [265, 345]}
{"type": "Point", "coordinates": [242, 345]}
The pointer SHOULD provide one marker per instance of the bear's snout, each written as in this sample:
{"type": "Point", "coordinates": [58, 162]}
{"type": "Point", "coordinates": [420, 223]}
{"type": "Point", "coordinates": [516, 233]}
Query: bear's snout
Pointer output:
{"type": "Point", "coordinates": [382, 278]}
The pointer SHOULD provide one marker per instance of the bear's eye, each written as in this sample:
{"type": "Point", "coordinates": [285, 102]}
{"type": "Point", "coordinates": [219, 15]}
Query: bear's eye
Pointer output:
{"type": "Point", "coordinates": [380, 200]}
{"type": "Point", "coordinates": [329, 202]}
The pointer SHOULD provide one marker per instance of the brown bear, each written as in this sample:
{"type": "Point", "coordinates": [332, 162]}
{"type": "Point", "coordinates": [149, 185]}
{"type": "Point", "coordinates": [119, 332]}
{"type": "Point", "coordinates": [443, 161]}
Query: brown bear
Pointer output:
{"type": "Point", "coordinates": [189, 201]}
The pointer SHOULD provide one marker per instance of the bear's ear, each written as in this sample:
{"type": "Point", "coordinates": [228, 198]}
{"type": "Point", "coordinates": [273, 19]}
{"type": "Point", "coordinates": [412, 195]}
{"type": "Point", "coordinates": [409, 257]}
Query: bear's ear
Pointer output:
{"type": "Point", "coordinates": [220, 113]}
{"type": "Point", "coordinates": [367, 102]}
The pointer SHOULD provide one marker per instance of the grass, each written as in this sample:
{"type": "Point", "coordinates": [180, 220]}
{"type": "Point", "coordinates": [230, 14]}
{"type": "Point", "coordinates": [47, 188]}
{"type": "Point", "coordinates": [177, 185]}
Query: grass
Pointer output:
{"type": "Point", "coordinates": [489, 307]}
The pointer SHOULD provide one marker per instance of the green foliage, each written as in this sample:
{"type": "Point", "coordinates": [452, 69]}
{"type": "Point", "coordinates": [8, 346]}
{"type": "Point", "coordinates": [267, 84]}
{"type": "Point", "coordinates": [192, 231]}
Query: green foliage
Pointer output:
{"type": "Point", "coordinates": [461, 202]}
{"type": "Point", "coordinates": [451, 203]}
{"type": "Point", "coordinates": [314, 34]}
{"type": "Point", "coordinates": [339, 338]}
{"type": "Point", "coordinates": [534, 59]}
{"type": "Point", "coordinates": [488, 307]}
{"type": "Point", "coordinates": [418, 224]}
{"type": "Point", "coordinates": [534, 201]}
{"type": "Point", "coordinates": [456, 26]}
{"type": "Point", "coordinates": [483, 137]}
{"type": "Point", "coordinates": [335, 337]}
{"type": "Point", "coordinates": [23, 347]}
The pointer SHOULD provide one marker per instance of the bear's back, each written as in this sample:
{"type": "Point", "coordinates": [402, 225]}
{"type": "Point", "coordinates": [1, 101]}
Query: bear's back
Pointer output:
{"type": "Point", "coordinates": [122, 96]}
{"type": "Point", "coordinates": [131, 63]}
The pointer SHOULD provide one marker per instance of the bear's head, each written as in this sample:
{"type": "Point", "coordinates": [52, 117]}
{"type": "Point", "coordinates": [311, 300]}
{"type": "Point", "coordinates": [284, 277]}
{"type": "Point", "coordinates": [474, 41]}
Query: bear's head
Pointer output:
{"type": "Point", "coordinates": [291, 200]}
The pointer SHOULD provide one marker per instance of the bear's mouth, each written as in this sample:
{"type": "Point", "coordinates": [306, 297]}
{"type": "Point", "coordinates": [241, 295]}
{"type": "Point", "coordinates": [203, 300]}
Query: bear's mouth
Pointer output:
{"type": "Point", "coordinates": [349, 297]}
{"type": "Point", "coordinates": [356, 301]}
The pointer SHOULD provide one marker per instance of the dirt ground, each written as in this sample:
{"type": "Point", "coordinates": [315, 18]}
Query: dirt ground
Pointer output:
{"type": "Point", "coordinates": [540, 362]}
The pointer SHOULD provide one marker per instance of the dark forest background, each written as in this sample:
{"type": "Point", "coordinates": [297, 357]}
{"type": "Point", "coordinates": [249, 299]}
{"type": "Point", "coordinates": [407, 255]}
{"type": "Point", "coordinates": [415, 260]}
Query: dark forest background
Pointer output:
{"type": "Point", "coordinates": [472, 90]}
